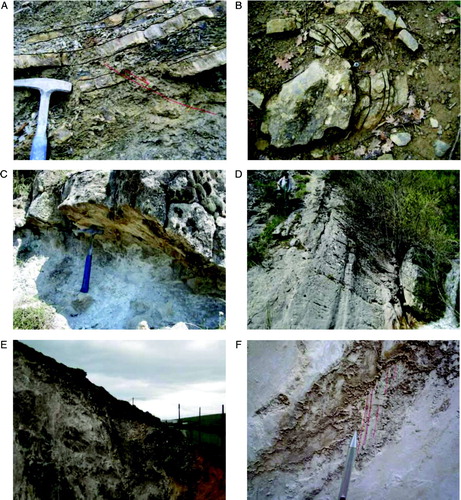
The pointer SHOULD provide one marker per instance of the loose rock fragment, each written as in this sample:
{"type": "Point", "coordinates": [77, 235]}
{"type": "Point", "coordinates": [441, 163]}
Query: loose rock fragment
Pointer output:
{"type": "Point", "coordinates": [281, 25]}
{"type": "Point", "coordinates": [408, 40]}
{"type": "Point", "coordinates": [401, 138]}
{"type": "Point", "coordinates": [400, 91]}
{"type": "Point", "coordinates": [62, 134]}
{"type": "Point", "coordinates": [319, 51]}
{"type": "Point", "coordinates": [440, 148]}
{"type": "Point", "coordinates": [317, 153]}
{"type": "Point", "coordinates": [391, 20]}
{"type": "Point", "coordinates": [356, 29]}
{"type": "Point", "coordinates": [347, 7]}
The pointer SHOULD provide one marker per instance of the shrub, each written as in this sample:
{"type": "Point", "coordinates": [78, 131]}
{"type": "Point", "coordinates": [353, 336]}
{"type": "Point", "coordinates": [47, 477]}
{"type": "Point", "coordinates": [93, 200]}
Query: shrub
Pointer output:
{"type": "Point", "coordinates": [36, 317]}
{"type": "Point", "coordinates": [257, 250]}
{"type": "Point", "coordinates": [400, 210]}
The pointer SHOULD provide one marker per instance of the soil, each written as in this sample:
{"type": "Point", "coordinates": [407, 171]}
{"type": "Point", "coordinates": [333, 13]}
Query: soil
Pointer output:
{"type": "Point", "coordinates": [432, 71]}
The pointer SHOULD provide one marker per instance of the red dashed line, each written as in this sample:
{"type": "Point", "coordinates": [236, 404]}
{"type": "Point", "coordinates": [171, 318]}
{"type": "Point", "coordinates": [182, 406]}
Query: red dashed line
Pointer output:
{"type": "Point", "coordinates": [145, 85]}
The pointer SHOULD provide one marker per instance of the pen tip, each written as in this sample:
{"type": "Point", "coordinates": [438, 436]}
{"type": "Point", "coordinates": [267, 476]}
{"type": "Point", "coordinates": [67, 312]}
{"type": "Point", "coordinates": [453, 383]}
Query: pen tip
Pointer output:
{"type": "Point", "coordinates": [354, 440]}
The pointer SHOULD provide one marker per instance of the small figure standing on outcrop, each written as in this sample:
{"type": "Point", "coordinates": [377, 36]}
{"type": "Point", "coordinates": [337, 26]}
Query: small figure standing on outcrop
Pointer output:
{"type": "Point", "coordinates": [285, 185]}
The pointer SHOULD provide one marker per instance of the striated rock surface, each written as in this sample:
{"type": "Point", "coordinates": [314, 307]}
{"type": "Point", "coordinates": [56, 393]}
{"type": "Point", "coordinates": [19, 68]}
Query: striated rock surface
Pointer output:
{"type": "Point", "coordinates": [379, 96]}
{"type": "Point", "coordinates": [320, 98]}
{"type": "Point", "coordinates": [127, 62]}
{"type": "Point", "coordinates": [402, 398]}
{"type": "Point", "coordinates": [160, 259]}
{"type": "Point", "coordinates": [73, 439]}
{"type": "Point", "coordinates": [350, 250]}
{"type": "Point", "coordinates": [317, 280]}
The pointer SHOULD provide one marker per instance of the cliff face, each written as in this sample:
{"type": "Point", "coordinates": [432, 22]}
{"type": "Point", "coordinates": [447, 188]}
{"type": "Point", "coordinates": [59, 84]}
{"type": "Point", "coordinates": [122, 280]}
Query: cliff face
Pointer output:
{"type": "Point", "coordinates": [160, 259]}
{"type": "Point", "coordinates": [313, 277]}
{"type": "Point", "coordinates": [72, 439]}
{"type": "Point", "coordinates": [401, 397]}
{"type": "Point", "coordinates": [130, 63]}
{"type": "Point", "coordinates": [310, 270]}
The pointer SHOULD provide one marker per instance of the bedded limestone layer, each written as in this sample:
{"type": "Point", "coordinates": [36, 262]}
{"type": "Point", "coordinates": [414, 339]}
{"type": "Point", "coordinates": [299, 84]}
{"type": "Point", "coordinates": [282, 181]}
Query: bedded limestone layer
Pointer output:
{"type": "Point", "coordinates": [137, 69]}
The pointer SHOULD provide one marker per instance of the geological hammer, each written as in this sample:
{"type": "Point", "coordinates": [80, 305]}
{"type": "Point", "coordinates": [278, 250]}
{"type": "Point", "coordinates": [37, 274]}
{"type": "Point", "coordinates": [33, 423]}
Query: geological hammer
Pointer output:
{"type": "Point", "coordinates": [46, 86]}
{"type": "Point", "coordinates": [92, 231]}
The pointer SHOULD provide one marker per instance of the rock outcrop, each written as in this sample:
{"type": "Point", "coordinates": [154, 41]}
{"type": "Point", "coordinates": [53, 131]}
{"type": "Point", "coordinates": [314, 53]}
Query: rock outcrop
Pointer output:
{"type": "Point", "coordinates": [401, 397]}
{"type": "Point", "coordinates": [345, 251]}
{"type": "Point", "coordinates": [171, 222]}
{"type": "Point", "coordinates": [72, 439]}
{"type": "Point", "coordinates": [316, 279]}
{"type": "Point", "coordinates": [320, 98]}
{"type": "Point", "coordinates": [138, 68]}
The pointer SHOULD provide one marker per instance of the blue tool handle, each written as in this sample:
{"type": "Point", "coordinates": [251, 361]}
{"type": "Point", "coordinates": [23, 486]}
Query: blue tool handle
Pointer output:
{"type": "Point", "coordinates": [39, 147]}
{"type": "Point", "coordinates": [86, 274]}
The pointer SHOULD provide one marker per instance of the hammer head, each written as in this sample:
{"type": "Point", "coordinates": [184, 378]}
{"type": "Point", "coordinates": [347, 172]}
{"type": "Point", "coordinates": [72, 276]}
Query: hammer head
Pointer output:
{"type": "Point", "coordinates": [44, 85]}
{"type": "Point", "coordinates": [92, 230]}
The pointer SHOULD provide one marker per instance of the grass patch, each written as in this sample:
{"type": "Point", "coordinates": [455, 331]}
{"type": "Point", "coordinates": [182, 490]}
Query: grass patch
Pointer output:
{"type": "Point", "coordinates": [22, 182]}
{"type": "Point", "coordinates": [36, 317]}
{"type": "Point", "coordinates": [301, 181]}
{"type": "Point", "coordinates": [257, 251]}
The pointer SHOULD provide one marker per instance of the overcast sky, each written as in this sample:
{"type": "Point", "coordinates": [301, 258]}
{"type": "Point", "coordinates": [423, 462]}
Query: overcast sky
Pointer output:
{"type": "Point", "coordinates": [158, 374]}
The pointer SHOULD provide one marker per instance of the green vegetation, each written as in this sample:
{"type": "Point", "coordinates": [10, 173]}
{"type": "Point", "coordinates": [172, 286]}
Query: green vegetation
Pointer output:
{"type": "Point", "coordinates": [257, 250]}
{"type": "Point", "coordinates": [301, 180]}
{"type": "Point", "coordinates": [36, 317]}
{"type": "Point", "coordinates": [400, 210]}
{"type": "Point", "coordinates": [22, 182]}
{"type": "Point", "coordinates": [265, 186]}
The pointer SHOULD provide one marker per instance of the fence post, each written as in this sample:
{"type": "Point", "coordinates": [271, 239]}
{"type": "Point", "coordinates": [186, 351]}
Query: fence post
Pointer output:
{"type": "Point", "coordinates": [200, 425]}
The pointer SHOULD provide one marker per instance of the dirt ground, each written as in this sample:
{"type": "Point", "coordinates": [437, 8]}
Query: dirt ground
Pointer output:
{"type": "Point", "coordinates": [433, 106]}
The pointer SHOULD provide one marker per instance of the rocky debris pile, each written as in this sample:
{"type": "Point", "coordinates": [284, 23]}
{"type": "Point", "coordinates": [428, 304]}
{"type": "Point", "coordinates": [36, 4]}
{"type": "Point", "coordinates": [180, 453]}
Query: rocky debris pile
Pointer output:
{"type": "Point", "coordinates": [324, 96]}
{"type": "Point", "coordinates": [162, 250]}
{"type": "Point", "coordinates": [127, 62]}
{"type": "Point", "coordinates": [384, 79]}
{"type": "Point", "coordinates": [73, 439]}
{"type": "Point", "coordinates": [401, 397]}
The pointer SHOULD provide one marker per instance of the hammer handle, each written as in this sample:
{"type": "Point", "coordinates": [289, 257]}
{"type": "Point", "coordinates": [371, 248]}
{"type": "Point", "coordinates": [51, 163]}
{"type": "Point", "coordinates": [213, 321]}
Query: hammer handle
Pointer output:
{"type": "Point", "coordinates": [39, 144]}
{"type": "Point", "coordinates": [86, 274]}
{"type": "Point", "coordinates": [39, 147]}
